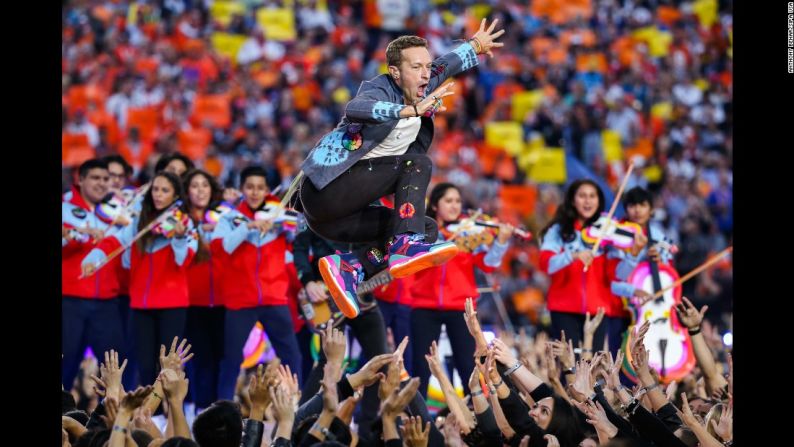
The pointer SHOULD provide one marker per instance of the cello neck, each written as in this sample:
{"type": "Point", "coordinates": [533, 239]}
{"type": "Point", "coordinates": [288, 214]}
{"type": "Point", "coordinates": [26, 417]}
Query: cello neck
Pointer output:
{"type": "Point", "coordinates": [657, 282]}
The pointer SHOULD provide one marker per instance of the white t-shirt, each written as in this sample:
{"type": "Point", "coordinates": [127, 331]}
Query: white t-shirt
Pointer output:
{"type": "Point", "coordinates": [398, 140]}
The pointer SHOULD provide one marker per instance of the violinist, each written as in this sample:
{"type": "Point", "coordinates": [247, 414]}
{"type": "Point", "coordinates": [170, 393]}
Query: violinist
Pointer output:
{"type": "Point", "coordinates": [89, 305]}
{"type": "Point", "coordinates": [205, 315]}
{"type": "Point", "coordinates": [120, 173]}
{"type": "Point", "coordinates": [255, 281]}
{"type": "Point", "coordinates": [574, 292]}
{"type": "Point", "coordinates": [637, 203]}
{"type": "Point", "coordinates": [175, 163]}
{"type": "Point", "coordinates": [158, 269]}
{"type": "Point", "coordinates": [439, 293]}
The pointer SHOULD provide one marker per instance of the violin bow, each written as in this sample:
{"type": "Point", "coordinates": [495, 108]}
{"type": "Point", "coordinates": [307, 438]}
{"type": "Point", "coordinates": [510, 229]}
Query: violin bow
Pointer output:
{"type": "Point", "coordinates": [161, 218]}
{"type": "Point", "coordinates": [694, 272]}
{"type": "Point", "coordinates": [612, 209]}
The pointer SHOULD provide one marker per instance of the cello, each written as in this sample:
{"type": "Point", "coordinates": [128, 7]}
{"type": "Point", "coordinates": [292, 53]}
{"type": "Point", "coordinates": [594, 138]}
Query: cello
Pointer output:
{"type": "Point", "coordinates": [667, 341]}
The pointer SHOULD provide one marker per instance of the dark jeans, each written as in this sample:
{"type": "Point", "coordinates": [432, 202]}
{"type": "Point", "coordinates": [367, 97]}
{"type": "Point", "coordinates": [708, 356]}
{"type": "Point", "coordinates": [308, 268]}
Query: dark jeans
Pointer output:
{"type": "Point", "coordinates": [369, 330]}
{"type": "Point", "coordinates": [398, 317]}
{"type": "Point", "coordinates": [87, 322]}
{"type": "Point", "coordinates": [155, 327]}
{"type": "Point", "coordinates": [426, 328]}
{"type": "Point", "coordinates": [277, 322]}
{"type": "Point", "coordinates": [205, 333]}
{"type": "Point", "coordinates": [342, 211]}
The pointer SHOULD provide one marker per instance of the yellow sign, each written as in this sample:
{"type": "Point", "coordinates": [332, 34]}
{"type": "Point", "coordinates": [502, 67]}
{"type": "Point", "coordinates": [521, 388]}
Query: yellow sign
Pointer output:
{"type": "Point", "coordinates": [480, 11]}
{"type": "Point", "coordinates": [524, 102]}
{"type": "Point", "coordinates": [658, 41]}
{"type": "Point", "coordinates": [610, 140]}
{"type": "Point", "coordinates": [662, 110]}
{"type": "Point", "coordinates": [549, 167]}
{"type": "Point", "coordinates": [227, 44]}
{"type": "Point", "coordinates": [505, 134]}
{"type": "Point", "coordinates": [278, 23]}
{"type": "Point", "coordinates": [222, 11]}
{"type": "Point", "coordinates": [706, 10]}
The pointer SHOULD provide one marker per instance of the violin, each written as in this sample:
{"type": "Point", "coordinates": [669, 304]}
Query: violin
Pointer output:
{"type": "Point", "coordinates": [115, 207]}
{"type": "Point", "coordinates": [284, 218]}
{"type": "Point", "coordinates": [79, 236]}
{"type": "Point", "coordinates": [667, 341]}
{"type": "Point", "coordinates": [167, 227]}
{"type": "Point", "coordinates": [618, 234]}
{"type": "Point", "coordinates": [213, 215]}
{"type": "Point", "coordinates": [471, 232]}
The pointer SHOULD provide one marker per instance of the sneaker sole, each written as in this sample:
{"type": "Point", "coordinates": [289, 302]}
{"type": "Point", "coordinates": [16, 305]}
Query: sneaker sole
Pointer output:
{"type": "Point", "coordinates": [427, 260]}
{"type": "Point", "coordinates": [349, 309]}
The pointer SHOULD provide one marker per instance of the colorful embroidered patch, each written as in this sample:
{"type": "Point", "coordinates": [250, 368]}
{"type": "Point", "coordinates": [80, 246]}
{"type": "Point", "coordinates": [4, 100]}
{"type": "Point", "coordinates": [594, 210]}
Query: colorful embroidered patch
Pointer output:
{"type": "Point", "coordinates": [352, 139]}
{"type": "Point", "coordinates": [375, 256]}
{"type": "Point", "coordinates": [407, 211]}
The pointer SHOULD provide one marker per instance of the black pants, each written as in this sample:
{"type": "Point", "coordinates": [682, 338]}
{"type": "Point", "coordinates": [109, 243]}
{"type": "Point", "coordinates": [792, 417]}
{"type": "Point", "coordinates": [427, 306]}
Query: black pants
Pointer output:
{"type": "Point", "coordinates": [87, 322]}
{"type": "Point", "coordinates": [130, 379]}
{"type": "Point", "coordinates": [426, 328]}
{"type": "Point", "coordinates": [369, 330]}
{"type": "Point", "coordinates": [342, 211]}
{"type": "Point", "coordinates": [204, 332]}
{"type": "Point", "coordinates": [155, 327]}
{"type": "Point", "coordinates": [238, 324]}
{"type": "Point", "coordinates": [304, 337]}
{"type": "Point", "coordinates": [398, 317]}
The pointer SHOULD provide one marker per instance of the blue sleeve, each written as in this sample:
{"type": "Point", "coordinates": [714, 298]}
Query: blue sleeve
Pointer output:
{"type": "Point", "coordinates": [369, 105]}
{"type": "Point", "coordinates": [622, 288]}
{"type": "Point", "coordinates": [626, 266]}
{"type": "Point", "coordinates": [95, 256]}
{"type": "Point", "coordinates": [181, 245]}
{"type": "Point", "coordinates": [462, 58]}
{"type": "Point", "coordinates": [232, 237]}
{"type": "Point", "coordinates": [125, 234]}
{"type": "Point", "coordinates": [553, 242]}
{"type": "Point", "coordinates": [495, 254]}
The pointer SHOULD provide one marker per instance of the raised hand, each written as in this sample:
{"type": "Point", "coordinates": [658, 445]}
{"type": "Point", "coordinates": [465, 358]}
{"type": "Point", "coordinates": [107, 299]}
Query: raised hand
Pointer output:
{"type": "Point", "coordinates": [503, 354]}
{"type": "Point", "coordinates": [486, 38]}
{"type": "Point", "coordinates": [334, 344]}
{"type": "Point", "coordinates": [591, 325]}
{"type": "Point", "coordinates": [177, 356]}
{"type": "Point", "coordinates": [412, 433]}
{"type": "Point", "coordinates": [369, 373]}
{"type": "Point", "coordinates": [473, 324]}
{"type": "Point", "coordinates": [688, 314]}
{"type": "Point", "coordinates": [135, 399]}
{"type": "Point", "coordinates": [398, 399]}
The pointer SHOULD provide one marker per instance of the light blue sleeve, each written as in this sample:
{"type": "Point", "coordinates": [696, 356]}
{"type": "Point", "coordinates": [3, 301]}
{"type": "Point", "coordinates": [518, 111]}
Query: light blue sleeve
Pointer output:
{"type": "Point", "coordinates": [621, 288]}
{"type": "Point", "coordinates": [552, 241]}
{"type": "Point", "coordinates": [181, 245]}
{"type": "Point", "coordinates": [495, 254]}
{"type": "Point", "coordinates": [232, 237]}
{"type": "Point", "coordinates": [95, 256]}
